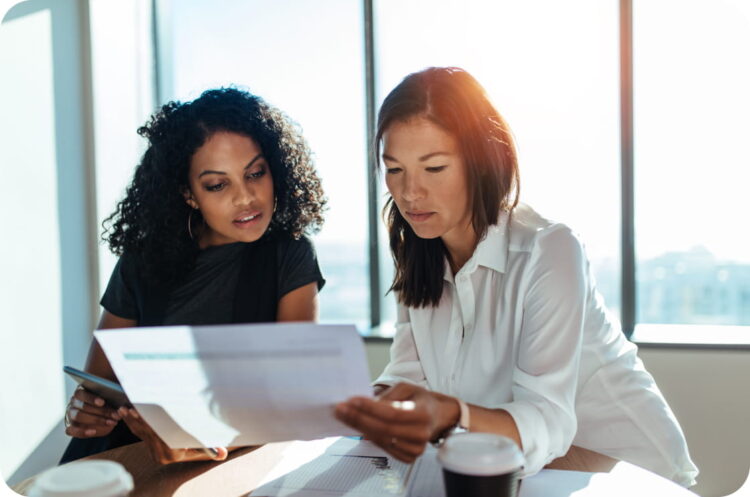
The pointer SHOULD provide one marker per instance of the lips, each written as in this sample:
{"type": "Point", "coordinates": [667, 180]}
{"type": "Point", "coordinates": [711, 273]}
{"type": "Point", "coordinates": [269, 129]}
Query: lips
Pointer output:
{"type": "Point", "coordinates": [419, 216]}
{"type": "Point", "coordinates": [247, 218]}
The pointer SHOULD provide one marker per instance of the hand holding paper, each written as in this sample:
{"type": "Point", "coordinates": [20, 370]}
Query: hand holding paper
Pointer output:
{"type": "Point", "coordinates": [220, 386]}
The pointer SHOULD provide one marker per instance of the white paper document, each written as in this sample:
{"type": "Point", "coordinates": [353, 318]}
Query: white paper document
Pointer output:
{"type": "Point", "coordinates": [231, 385]}
{"type": "Point", "coordinates": [336, 468]}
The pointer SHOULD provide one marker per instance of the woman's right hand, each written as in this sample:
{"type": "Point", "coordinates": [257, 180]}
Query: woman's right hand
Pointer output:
{"type": "Point", "coordinates": [88, 415]}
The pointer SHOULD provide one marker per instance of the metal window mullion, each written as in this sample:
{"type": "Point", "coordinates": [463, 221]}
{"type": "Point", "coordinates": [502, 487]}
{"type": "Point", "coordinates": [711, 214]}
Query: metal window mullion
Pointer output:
{"type": "Point", "coordinates": [89, 153]}
{"type": "Point", "coordinates": [161, 39]}
{"type": "Point", "coordinates": [372, 179]}
{"type": "Point", "coordinates": [628, 269]}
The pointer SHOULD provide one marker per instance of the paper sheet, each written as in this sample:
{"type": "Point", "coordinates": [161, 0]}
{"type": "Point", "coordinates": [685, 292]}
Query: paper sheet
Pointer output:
{"type": "Point", "coordinates": [239, 384]}
{"type": "Point", "coordinates": [336, 468]}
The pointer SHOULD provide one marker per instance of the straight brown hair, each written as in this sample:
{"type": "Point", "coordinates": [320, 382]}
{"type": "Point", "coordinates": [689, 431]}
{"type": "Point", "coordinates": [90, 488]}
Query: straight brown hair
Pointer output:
{"type": "Point", "coordinates": [452, 99]}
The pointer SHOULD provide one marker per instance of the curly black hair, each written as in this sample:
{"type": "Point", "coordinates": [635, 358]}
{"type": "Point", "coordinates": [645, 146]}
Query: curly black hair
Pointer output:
{"type": "Point", "coordinates": [151, 221]}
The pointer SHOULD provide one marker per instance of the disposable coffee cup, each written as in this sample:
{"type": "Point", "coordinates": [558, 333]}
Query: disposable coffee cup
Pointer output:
{"type": "Point", "coordinates": [480, 465]}
{"type": "Point", "coordinates": [84, 479]}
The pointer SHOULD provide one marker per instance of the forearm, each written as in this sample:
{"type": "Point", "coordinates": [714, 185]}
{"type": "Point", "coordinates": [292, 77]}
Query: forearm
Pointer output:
{"type": "Point", "coordinates": [494, 421]}
{"type": "Point", "coordinates": [481, 419]}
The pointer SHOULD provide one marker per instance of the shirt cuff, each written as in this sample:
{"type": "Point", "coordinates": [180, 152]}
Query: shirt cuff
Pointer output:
{"type": "Point", "coordinates": [538, 447]}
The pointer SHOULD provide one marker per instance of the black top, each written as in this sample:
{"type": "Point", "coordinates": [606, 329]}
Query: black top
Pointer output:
{"type": "Point", "coordinates": [225, 286]}
{"type": "Point", "coordinates": [234, 283]}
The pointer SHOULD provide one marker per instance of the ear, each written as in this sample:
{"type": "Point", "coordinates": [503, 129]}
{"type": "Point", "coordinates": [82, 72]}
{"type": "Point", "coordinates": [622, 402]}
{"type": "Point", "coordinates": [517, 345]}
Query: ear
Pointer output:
{"type": "Point", "coordinates": [188, 195]}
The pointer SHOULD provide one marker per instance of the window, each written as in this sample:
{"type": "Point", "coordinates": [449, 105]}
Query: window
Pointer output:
{"type": "Point", "coordinates": [313, 71]}
{"type": "Point", "coordinates": [691, 162]}
{"type": "Point", "coordinates": [553, 70]}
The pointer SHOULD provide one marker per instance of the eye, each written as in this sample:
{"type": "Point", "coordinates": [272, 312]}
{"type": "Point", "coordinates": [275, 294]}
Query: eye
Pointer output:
{"type": "Point", "coordinates": [393, 170]}
{"type": "Point", "coordinates": [435, 169]}
{"type": "Point", "coordinates": [215, 188]}
{"type": "Point", "coordinates": [257, 174]}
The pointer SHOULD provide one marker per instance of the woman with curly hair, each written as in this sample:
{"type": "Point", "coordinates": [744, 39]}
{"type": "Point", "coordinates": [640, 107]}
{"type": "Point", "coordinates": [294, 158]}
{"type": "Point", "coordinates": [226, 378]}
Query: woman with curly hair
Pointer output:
{"type": "Point", "coordinates": [211, 231]}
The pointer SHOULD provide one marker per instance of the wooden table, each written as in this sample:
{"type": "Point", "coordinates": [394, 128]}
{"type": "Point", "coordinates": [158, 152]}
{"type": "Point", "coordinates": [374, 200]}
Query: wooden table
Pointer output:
{"type": "Point", "coordinates": [245, 468]}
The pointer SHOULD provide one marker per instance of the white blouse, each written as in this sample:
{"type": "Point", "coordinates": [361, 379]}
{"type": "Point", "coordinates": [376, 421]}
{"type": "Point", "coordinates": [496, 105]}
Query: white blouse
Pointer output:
{"type": "Point", "coordinates": [522, 328]}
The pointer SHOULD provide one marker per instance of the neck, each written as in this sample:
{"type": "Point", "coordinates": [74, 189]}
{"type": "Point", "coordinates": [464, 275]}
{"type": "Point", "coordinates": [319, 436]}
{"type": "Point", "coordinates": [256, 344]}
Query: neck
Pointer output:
{"type": "Point", "coordinates": [460, 245]}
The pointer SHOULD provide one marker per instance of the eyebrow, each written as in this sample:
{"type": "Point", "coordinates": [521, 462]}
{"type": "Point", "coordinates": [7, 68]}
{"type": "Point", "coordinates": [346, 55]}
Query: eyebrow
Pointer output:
{"type": "Point", "coordinates": [421, 159]}
{"type": "Point", "coordinates": [209, 171]}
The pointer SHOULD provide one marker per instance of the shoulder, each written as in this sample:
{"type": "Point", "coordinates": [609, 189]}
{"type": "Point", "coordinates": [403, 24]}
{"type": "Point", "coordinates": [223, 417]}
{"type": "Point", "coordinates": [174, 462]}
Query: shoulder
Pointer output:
{"type": "Point", "coordinates": [288, 246]}
{"type": "Point", "coordinates": [129, 266]}
{"type": "Point", "coordinates": [530, 232]}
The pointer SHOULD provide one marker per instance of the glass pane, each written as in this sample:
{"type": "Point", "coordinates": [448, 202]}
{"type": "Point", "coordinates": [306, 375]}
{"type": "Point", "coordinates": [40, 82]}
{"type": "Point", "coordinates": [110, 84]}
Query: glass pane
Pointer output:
{"type": "Point", "coordinates": [552, 69]}
{"type": "Point", "coordinates": [31, 309]}
{"type": "Point", "coordinates": [691, 161]}
{"type": "Point", "coordinates": [307, 59]}
{"type": "Point", "coordinates": [123, 100]}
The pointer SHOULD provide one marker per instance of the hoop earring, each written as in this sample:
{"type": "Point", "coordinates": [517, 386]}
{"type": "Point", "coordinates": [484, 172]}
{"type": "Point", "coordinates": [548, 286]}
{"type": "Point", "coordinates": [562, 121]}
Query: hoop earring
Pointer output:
{"type": "Point", "coordinates": [190, 222]}
{"type": "Point", "coordinates": [275, 203]}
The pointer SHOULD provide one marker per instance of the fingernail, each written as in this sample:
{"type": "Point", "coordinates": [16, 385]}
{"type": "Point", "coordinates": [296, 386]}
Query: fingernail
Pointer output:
{"type": "Point", "coordinates": [116, 416]}
{"type": "Point", "coordinates": [134, 413]}
{"type": "Point", "coordinates": [122, 412]}
{"type": "Point", "coordinates": [99, 402]}
{"type": "Point", "coordinates": [111, 422]}
{"type": "Point", "coordinates": [90, 432]}
{"type": "Point", "coordinates": [355, 402]}
{"type": "Point", "coordinates": [342, 410]}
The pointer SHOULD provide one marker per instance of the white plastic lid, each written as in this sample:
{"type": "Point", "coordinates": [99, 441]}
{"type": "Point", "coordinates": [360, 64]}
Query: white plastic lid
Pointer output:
{"type": "Point", "coordinates": [84, 479]}
{"type": "Point", "coordinates": [480, 454]}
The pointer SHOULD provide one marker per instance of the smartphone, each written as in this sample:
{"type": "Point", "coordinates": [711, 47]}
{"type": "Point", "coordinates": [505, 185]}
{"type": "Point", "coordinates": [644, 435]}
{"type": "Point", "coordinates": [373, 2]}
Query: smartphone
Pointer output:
{"type": "Point", "coordinates": [108, 390]}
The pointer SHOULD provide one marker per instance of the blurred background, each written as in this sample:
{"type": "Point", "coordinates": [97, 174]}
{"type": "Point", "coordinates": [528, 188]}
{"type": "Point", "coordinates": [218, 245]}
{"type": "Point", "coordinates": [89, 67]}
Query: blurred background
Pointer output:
{"type": "Point", "coordinates": [652, 170]}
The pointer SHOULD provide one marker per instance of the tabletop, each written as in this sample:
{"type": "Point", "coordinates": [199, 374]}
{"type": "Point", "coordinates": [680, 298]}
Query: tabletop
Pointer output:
{"type": "Point", "coordinates": [581, 473]}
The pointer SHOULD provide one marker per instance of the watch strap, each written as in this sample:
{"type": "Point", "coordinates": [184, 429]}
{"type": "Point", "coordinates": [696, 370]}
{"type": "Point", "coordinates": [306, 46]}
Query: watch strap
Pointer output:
{"type": "Point", "coordinates": [463, 420]}
{"type": "Point", "coordinates": [461, 426]}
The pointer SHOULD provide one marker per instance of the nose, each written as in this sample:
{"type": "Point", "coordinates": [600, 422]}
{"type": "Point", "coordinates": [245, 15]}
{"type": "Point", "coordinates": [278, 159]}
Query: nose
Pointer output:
{"type": "Point", "coordinates": [412, 188]}
{"type": "Point", "coordinates": [244, 194]}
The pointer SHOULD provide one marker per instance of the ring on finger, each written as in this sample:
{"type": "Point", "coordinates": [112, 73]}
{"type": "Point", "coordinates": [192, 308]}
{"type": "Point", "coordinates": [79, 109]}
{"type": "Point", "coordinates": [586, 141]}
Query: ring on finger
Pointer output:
{"type": "Point", "coordinates": [404, 405]}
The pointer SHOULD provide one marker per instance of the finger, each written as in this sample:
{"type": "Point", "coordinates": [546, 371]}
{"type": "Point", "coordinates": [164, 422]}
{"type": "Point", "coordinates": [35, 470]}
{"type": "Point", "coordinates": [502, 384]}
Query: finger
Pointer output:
{"type": "Point", "coordinates": [87, 431]}
{"type": "Point", "coordinates": [84, 418]}
{"type": "Point", "coordinates": [399, 391]}
{"type": "Point", "coordinates": [400, 449]}
{"type": "Point", "coordinates": [215, 453]}
{"type": "Point", "coordinates": [90, 407]}
{"type": "Point", "coordinates": [376, 428]}
{"type": "Point", "coordinates": [89, 397]}
{"type": "Point", "coordinates": [139, 428]}
{"type": "Point", "coordinates": [405, 412]}
{"type": "Point", "coordinates": [167, 455]}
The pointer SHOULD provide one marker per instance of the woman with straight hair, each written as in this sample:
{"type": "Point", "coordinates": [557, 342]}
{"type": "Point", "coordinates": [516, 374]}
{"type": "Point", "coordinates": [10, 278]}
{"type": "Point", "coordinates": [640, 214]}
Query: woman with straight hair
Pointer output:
{"type": "Point", "coordinates": [500, 327]}
{"type": "Point", "coordinates": [211, 231]}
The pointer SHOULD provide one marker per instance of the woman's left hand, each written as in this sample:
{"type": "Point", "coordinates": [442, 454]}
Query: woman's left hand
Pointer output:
{"type": "Point", "coordinates": [159, 450]}
{"type": "Point", "coordinates": [402, 420]}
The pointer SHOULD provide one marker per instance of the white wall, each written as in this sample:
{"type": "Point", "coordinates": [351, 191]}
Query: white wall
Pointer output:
{"type": "Point", "coordinates": [709, 393]}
